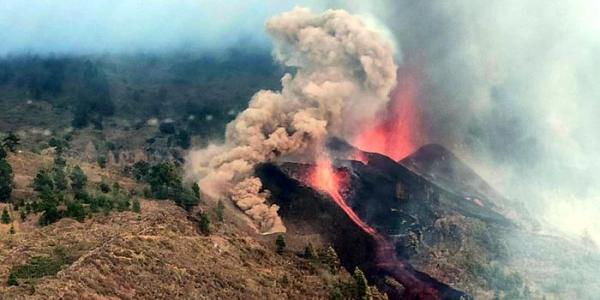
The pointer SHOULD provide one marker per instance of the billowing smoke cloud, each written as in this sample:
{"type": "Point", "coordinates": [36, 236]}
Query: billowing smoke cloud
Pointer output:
{"type": "Point", "coordinates": [509, 85]}
{"type": "Point", "coordinates": [343, 72]}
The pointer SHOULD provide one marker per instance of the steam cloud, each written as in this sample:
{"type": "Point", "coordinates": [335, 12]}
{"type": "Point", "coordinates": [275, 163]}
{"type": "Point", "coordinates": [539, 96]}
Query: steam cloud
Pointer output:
{"type": "Point", "coordinates": [343, 73]}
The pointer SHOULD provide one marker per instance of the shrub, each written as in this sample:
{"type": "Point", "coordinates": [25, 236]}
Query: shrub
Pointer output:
{"type": "Point", "coordinates": [361, 288]}
{"type": "Point", "coordinates": [78, 179]}
{"type": "Point", "coordinates": [50, 214]}
{"type": "Point", "coordinates": [43, 181]}
{"type": "Point", "coordinates": [196, 189]}
{"type": "Point", "coordinates": [102, 160]}
{"type": "Point", "coordinates": [76, 211]}
{"type": "Point", "coordinates": [309, 252]}
{"type": "Point", "coordinates": [5, 219]}
{"type": "Point", "coordinates": [37, 267]}
{"type": "Point", "coordinates": [204, 224]}
{"type": "Point", "coordinates": [140, 170]}
{"type": "Point", "coordinates": [12, 280]}
{"type": "Point", "coordinates": [136, 206]}
{"type": "Point", "coordinates": [219, 210]}
{"type": "Point", "coordinates": [331, 259]}
{"type": "Point", "coordinates": [280, 244]}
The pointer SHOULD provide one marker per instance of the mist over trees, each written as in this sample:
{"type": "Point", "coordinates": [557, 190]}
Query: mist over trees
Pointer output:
{"type": "Point", "coordinates": [192, 90]}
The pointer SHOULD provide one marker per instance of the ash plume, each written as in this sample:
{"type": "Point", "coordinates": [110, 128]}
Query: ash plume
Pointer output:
{"type": "Point", "coordinates": [343, 72]}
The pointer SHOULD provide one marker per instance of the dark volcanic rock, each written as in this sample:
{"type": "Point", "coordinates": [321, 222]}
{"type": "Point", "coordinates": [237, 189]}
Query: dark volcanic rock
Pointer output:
{"type": "Point", "coordinates": [402, 201]}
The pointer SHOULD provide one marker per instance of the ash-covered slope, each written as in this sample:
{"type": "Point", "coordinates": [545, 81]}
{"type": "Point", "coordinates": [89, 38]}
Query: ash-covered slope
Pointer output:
{"type": "Point", "coordinates": [438, 165]}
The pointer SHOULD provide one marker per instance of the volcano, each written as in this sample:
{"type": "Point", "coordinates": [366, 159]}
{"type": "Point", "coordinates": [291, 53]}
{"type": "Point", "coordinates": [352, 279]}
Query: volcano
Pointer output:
{"type": "Point", "coordinates": [399, 203]}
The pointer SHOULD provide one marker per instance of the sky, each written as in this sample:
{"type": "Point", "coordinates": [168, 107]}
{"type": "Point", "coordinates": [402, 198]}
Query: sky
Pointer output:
{"type": "Point", "coordinates": [96, 26]}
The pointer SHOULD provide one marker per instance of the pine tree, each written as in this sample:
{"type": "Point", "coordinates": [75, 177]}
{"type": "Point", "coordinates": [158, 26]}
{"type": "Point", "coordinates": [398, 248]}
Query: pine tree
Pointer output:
{"type": "Point", "coordinates": [11, 230]}
{"type": "Point", "coordinates": [204, 223]}
{"type": "Point", "coordinates": [136, 206]}
{"type": "Point", "coordinates": [196, 189]}
{"type": "Point", "coordinates": [5, 219]}
{"type": "Point", "coordinates": [332, 260]}
{"type": "Point", "coordinates": [361, 288]}
{"type": "Point", "coordinates": [78, 179]}
{"type": "Point", "coordinates": [6, 175]}
{"type": "Point", "coordinates": [219, 211]}
{"type": "Point", "coordinates": [280, 243]}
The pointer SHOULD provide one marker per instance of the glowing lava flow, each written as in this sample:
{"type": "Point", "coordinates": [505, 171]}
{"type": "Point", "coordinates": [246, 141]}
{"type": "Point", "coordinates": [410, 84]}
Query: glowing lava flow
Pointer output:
{"type": "Point", "coordinates": [324, 178]}
{"type": "Point", "coordinates": [396, 132]}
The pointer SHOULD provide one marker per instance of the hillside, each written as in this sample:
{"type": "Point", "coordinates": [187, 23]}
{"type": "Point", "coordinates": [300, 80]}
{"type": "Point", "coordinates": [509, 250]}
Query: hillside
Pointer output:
{"type": "Point", "coordinates": [156, 254]}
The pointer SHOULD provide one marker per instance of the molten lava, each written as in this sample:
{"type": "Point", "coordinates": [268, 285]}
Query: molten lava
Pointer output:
{"type": "Point", "coordinates": [324, 178]}
{"type": "Point", "coordinates": [397, 132]}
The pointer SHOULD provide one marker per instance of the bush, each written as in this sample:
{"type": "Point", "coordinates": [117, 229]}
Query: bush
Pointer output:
{"type": "Point", "coordinates": [12, 280]}
{"type": "Point", "coordinates": [50, 214]}
{"type": "Point", "coordinates": [280, 244]}
{"type": "Point", "coordinates": [204, 224]}
{"type": "Point", "coordinates": [43, 181]}
{"type": "Point", "coordinates": [136, 206]}
{"type": "Point", "coordinates": [219, 210]}
{"type": "Point", "coordinates": [5, 219]}
{"type": "Point", "coordinates": [103, 186]}
{"type": "Point", "coordinates": [76, 211]}
{"type": "Point", "coordinates": [78, 179]}
{"type": "Point", "coordinates": [140, 170]}
{"type": "Point", "coordinates": [38, 267]}
{"type": "Point", "coordinates": [102, 161]}
{"type": "Point", "coordinates": [309, 252]}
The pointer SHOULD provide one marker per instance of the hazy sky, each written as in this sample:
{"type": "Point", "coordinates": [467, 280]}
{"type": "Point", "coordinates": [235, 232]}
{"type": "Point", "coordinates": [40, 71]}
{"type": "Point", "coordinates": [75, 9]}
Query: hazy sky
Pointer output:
{"type": "Point", "coordinates": [70, 26]}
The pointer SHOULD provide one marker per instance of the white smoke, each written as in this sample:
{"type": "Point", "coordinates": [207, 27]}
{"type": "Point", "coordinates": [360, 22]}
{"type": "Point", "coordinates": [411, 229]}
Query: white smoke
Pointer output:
{"type": "Point", "coordinates": [343, 72]}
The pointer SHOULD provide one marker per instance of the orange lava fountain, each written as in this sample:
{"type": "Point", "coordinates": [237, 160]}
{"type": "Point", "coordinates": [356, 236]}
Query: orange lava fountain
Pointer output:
{"type": "Point", "coordinates": [396, 133]}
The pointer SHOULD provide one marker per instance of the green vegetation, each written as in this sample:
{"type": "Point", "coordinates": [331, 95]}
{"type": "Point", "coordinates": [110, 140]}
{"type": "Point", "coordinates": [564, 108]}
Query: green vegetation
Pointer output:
{"type": "Point", "coordinates": [6, 176]}
{"type": "Point", "coordinates": [78, 179]}
{"type": "Point", "coordinates": [204, 224]}
{"type": "Point", "coordinates": [11, 141]}
{"type": "Point", "coordinates": [280, 244]}
{"type": "Point", "coordinates": [135, 206]}
{"type": "Point", "coordinates": [102, 161]}
{"type": "Point", "coordinates": [40, 266]}
{"type": "Point", "coordinates": [165, 182]}
{"type": "Point", "coordinates": [5, 219]}
{"type": "Point", "coordinates": [12, 280]}
{"type": "Point", "coordinates": [52, 187]}
{"type": "Point", "coordinates": [331, 259]}
{"type": "Point", "coordinates": [219, 210]}
{"type": "Point", "coordinates": [361, 288]}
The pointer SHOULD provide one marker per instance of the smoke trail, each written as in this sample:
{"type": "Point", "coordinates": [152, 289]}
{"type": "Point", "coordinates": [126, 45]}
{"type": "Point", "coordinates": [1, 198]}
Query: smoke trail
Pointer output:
{"type": "Point", "coordinates": [343, 73]}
